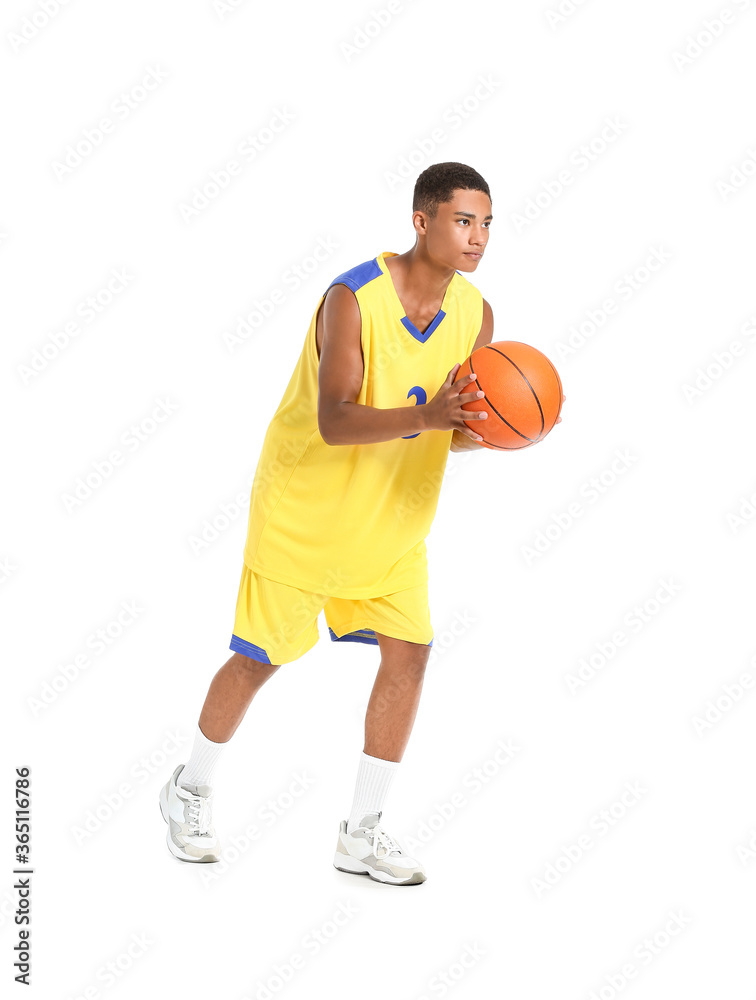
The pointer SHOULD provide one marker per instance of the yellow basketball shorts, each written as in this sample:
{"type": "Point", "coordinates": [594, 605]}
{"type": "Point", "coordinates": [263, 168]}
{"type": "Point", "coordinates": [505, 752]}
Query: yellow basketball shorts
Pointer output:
{"type": "Point", "coordinates": [276, 623]}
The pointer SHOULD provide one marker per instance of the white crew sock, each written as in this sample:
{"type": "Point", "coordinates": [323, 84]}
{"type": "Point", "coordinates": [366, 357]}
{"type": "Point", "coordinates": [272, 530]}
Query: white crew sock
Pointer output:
{"type": "Point", "coordinates": [198, 770]}
{"type": "Point", "coordinates": [373, 779]}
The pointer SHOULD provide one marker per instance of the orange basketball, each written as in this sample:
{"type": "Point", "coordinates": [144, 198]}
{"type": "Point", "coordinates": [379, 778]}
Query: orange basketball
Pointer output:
{"type": "Point", "coordinates": [523, 394]}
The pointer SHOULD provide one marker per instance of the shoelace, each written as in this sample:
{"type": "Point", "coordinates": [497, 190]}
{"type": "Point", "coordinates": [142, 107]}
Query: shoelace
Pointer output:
{"type": "Point", "coordinates": [383, 840]}
{"type": "Point", "coordinates": [199, 815]}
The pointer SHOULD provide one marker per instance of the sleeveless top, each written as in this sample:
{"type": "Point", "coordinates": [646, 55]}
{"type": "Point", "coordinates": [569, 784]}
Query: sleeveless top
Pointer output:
{"type": "Point", "coordinates": [351, 520]}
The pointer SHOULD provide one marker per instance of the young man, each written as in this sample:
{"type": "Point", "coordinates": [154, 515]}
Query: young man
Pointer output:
{"type": "Point", "coordinates": [344, 494]}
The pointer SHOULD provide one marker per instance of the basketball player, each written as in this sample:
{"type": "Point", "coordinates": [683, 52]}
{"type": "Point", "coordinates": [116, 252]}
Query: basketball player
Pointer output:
{"type": "Point", "coordinates": [344, 494]}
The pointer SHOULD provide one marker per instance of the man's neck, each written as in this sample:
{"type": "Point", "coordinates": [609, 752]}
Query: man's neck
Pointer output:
{"type": "Point", "coordinates": [417, 278]}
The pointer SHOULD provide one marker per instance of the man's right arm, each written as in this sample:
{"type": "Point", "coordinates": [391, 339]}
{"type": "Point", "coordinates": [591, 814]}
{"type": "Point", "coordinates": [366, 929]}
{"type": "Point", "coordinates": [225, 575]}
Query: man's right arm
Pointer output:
{"type": "Point", "coordinates": [341, 420]}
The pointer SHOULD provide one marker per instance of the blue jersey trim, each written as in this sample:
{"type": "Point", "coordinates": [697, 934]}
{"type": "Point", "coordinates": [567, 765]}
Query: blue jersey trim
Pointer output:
{"type": "Point", "coordinates": [248, 649]}
{"type": "Point", "coordinates": [422, 337]}
{"type": "Point", "coordinates": [359, 275]}
{"type": "Point", "coordinates": [359, 635]}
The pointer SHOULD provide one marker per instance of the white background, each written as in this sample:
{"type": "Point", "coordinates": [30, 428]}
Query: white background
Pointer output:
{"type": "Point", "coordinates": [356, 117]}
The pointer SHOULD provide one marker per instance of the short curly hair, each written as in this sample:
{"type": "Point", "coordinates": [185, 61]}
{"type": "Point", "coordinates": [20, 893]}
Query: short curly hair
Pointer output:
{"type": "Point", "coordinates": [437, 184]}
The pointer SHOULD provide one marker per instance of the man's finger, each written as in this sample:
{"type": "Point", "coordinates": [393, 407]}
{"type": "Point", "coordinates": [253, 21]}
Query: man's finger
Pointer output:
{"type": "Point", "coordinates": [464, 382]}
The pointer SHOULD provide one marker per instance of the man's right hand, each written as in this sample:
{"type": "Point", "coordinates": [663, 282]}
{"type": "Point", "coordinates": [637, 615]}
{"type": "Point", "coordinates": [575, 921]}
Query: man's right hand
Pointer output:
{"type": "Point", "coordinates": [444, 412]}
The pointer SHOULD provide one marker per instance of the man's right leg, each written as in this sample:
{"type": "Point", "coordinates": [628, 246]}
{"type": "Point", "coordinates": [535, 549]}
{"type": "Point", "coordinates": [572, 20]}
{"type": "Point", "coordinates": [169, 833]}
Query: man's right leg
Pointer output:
{"type": "Point", "coordinates": [230, 695]}
{"type": "Point", "coordinates": [186, 799]}
{"type": "Point", "coordinates": [275, 624]}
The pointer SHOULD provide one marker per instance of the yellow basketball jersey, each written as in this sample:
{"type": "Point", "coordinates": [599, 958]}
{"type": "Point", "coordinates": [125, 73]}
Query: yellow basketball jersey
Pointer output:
{"type": "Point", "coordinates": [351, 520]}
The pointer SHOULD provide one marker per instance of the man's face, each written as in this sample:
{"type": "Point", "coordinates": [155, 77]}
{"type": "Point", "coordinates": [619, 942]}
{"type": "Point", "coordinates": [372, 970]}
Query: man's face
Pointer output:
{"type": "Point", "coordinates": [459, 233]}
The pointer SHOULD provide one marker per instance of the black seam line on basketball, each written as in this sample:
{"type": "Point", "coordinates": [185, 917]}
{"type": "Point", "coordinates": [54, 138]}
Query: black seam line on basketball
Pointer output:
{"type": "Point", "coordinates": [487, 400]}
{"type": "Point", "coordinates": [538, 401]}
{"type": "Point", "coordinates": [503, 447]}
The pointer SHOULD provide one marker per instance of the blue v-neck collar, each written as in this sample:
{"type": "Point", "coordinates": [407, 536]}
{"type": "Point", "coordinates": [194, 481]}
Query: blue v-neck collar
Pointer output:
{"type": "Point", "coordinates": [408, 325]}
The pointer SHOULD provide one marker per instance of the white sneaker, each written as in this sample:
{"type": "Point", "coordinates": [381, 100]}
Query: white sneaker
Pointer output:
{"type": "Point", "coordinates": [369, 850]}
{"type": "Point", "coordinates": [187, 811]}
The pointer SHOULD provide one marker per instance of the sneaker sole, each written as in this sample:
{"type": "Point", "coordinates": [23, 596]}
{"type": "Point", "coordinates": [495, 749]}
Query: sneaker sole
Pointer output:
{"type": "Point", "coordinates": [360, 868]}
{"type": "Point", "coordinates": [171, 846]}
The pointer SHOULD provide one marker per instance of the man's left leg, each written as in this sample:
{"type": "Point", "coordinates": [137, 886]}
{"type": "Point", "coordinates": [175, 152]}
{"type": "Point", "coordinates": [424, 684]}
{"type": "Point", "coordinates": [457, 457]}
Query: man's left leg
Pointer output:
{"type": "Point", "coordinates": [364, 846]}
{"type": "Point", "coordinates": [395, 697]}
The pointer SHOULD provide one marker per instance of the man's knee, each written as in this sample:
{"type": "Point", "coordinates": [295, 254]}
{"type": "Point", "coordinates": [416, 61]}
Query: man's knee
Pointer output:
{"type": "Point", "coordinates": [409, 657]}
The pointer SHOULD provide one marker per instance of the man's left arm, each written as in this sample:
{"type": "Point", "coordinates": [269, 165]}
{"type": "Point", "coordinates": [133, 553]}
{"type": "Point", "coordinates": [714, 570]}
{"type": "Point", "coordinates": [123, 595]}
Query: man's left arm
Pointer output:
{"type": "Point", "coordinates": [460, 441]}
